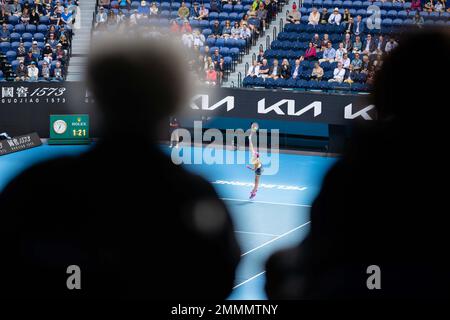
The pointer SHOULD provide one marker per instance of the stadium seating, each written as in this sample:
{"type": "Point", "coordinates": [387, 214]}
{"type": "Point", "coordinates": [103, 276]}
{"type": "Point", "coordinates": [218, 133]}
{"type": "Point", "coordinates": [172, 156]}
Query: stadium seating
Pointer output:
{"type": "Point", "coordinates": [231, 49]}
{"type": "Point", "coordinates": [293, 40]}
{"type": "Point", "coordinates": [26, 33]}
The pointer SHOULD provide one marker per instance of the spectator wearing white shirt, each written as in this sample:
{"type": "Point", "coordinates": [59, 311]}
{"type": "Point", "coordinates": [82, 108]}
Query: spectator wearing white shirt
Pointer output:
{"type": "Point", "coordinates": [296, 69]}
{"type": "Point", "coordinates": [45, 71]}
{"type": "Point", "coordinates": [101, 17]}
{"type": "Point", "coordinates": [199, 38]}
{"type": "Point", "coordinates": [345, 61]}
{"type": "Point", "coordinates": [340, 53]}
{"type": "Point", "coordinates": [314, 17]}
{"type": "Point", "coordinates": [245, 31]}
{"type": "Point", "coordinates": [187, 39]}
{"type": "Point", "coordinates": [235, 31]}
{"type": "Point", "coordinates": [253, 71]}
{"type": "Point", "coordinates": [33, 72]}
{"type": "Point", "coordinates": [439, 6]}
{"type": "Point", "coordinates": [203, 13]}
{"type": "Point", "coordinates": [335, 17]}
{"type": "Point", "coordinates": [338, 74]}
{"type": "Point", "coordinates": [294, 16]}
{"type": "Point", "coordinates": [391, 44]}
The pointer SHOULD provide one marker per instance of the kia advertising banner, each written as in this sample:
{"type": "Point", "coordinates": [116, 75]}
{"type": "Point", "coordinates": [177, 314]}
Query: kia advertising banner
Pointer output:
{"type": "Point", "coordinates": [26, 107]}
{"type": "Point", "coordinates": [283, 105]}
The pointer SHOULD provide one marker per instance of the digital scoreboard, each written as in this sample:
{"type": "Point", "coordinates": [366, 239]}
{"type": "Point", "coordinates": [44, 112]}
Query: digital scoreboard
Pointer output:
{"type": "Point", "coordinates": [69, 129]}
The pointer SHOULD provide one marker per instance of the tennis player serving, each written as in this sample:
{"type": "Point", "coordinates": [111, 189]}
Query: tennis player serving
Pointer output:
{"type": "Point", "coordinates": [255, 161]}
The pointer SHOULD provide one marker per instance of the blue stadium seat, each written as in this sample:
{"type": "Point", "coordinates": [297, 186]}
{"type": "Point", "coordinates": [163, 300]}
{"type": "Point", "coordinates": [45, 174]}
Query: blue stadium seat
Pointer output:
{"type": "Point", "coordinates": [434, 15]}
{"type": "Point", "coordinates": [387, 5]}
{"type": "Point", "coordinates": [5, 47]}
{"type": "Point", "coordinates": [39, 37]}
{"type": "Point", "coordinates": [392, 14]}
{"type": "Point", "coordinates": [223, 16]}
{"type": "Point", "coordinates": [164, 6]}
{"type": "Point", "coordinates": [337, 3]}
{"type": "Point", "coordinates": [220, 42]}
{"type": "Point", "coordinates": [14, 36]}
{"type": "Point", "coordinates": [213, 16]}
{"type": "Point", "coordinates": [14, 45]}
{"type": "Point", "coordinates": [211, 41]}
{"type": "Point", "coordinates": [19, 28]}
{"type": "Point", "coordinates": [397, 22]}
{"type": "Point", "coordinates": [347, 4]}
{"type": "Point", "coordinates": [14, 65]}
{"type": "Point", "coordinates": [317, 3]}
{"type": "Point", "coordinates": [27, 37]}
{"type": "Point", "coordinates": [42, 28]}
{"type": "Point", "coordinates": [227, 8]}
{"type": "Point", "coordinates": [206, 32]}
{"type": "Point", "coordinates": [357, 5]}
{"type": "Point", "coordinates": [233, 16]}
{"type": "Point", "coordinates": [13, 20]}
{"type": "Point", "coordinates": [402, 14]}
{"type": "Point", "coordinates": [238, 8]}
{"type": "Point", "coordinates": [234, 53]}
{"type": "Point", "coordinates": [397, 6]}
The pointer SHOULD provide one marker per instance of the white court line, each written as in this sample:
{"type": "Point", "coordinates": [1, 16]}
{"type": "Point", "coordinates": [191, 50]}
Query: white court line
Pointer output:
{"type": "Point", "coordinates": [258, 233]}
{"type": "Point", "coordinates": [275, 239]}
{"type": "Point", "coordinates": [248, 280]}
{"type": "Point", "coordinates": [267, 202]}
{"type": "Point", "coordinates": [263, 245]}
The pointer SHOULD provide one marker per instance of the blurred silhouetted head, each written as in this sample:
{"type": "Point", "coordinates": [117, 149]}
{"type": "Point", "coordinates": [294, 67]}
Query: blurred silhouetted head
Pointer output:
{"type": "Point", "coordinates": [408, 89]}
{"type": "Point", "coordinates": [136, 82]}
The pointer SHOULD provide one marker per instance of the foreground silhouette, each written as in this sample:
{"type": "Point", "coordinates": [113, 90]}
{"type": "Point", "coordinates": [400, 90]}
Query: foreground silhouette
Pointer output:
{"type": "Point", "coordinates": [136, 225]}
{"type": "Point", "coordinates": [384, 203]}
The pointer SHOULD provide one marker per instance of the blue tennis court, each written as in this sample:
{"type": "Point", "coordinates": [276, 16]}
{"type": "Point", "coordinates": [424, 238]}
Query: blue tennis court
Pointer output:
{"type": "Point", "coordinates": [278, 217]}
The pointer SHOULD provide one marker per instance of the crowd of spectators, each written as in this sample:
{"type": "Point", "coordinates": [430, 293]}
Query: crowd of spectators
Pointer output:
{"type": "Point", "coordinates": [326, 16]}
{"type": "Point", "coordinates": [353, 59]}
{"type": "Point", "coordinates": [35, 38]}
{"type": "Point", "coordinates": [210, 67]}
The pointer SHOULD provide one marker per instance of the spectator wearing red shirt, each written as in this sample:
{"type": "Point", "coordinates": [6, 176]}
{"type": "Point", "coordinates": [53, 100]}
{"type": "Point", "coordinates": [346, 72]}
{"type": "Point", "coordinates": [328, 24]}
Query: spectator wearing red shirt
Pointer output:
{"type": "Point", "coordinates": [174, 27]}
{"type": "Point", "coordinates": [310, 53]}
{"type": "Point", "coordinates": [416, 5]}
{"type": "Point", "coordinates": [186, 27]}
{"type": "Point", "coordinates": [211, 76]}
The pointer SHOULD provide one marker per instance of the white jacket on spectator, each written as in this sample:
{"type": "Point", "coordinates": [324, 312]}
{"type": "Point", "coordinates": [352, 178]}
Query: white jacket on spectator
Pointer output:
{"type": "Point", "coordinates": [187, 39]}
{"type": "Point", "coordinates": [199, 40]}
{"type": "Point", "coordinates": [338, 75]}
{"type": "Point", "coordinates": [314, 18]}
{"type": "Point", "coordinates": [335, 18]}
{"type": "Point", "coordinates": [346, 63]}
{"type": "Point", "coordinates": [33, 72]}
{"type": "Point", "coordinates": [339, 54]}
{"type": "Point", "coordinates": [253, 71]}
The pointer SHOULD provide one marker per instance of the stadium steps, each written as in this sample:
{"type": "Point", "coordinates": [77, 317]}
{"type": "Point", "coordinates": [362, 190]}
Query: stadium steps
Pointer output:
{"type": "Point", "coordinates": [232, 80]}
{"type": "Point", "coordinates": [81, 41]}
